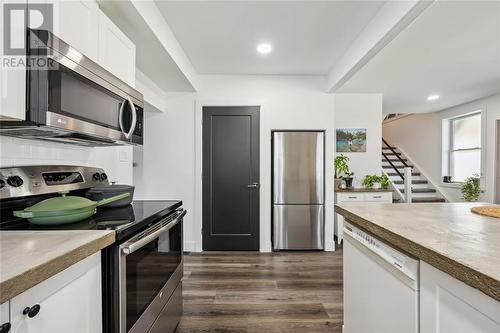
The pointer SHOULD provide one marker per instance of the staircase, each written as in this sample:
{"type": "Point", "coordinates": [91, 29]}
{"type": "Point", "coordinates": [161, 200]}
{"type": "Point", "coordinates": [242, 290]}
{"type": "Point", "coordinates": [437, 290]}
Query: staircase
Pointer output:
{"type": "Point", "coordinates": [393, 165]}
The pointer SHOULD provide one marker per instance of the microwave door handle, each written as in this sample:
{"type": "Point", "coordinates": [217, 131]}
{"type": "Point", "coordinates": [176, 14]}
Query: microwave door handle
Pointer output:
{"type": "Point", "coordinates": [131, 247]}
{"type": "Point", "coordinates": [134, 117]}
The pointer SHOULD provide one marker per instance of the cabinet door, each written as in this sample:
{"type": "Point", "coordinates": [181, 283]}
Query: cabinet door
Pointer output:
{"type": "Point", "coordinates": [12, 75]}
{"type": "Point", "coordinates": [4, 315]}
{"type": "Point", "coordinates": [69, 301]}
{"type": "Point", "coordinates": [450, 306]}
{"type": "Point", "coordinates": [116, 51]}
{"type": "Point", "coordinates": [77, 23]}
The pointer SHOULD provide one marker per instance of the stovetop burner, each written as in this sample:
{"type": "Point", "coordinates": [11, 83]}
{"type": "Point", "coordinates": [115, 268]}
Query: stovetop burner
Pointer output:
{"type": "Point", "coordinates": [21, 187]}
{"type": "Point", "coordinates": [124, 220]}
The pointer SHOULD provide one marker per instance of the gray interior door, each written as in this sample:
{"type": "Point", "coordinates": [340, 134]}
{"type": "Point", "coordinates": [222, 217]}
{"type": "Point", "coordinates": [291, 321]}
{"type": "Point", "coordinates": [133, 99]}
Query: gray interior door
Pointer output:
{"type": "Point", "coordinates": [231, 178]}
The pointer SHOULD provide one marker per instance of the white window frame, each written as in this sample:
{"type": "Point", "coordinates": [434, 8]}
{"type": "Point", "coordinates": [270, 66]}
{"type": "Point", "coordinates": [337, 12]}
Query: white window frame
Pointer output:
{"type": "Point", "coordinates": [451, 148]}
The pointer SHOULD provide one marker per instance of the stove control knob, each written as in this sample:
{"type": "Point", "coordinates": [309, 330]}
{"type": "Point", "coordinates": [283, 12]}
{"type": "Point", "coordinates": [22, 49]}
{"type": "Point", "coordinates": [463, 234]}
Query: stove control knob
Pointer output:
{"type": "Point", "coordinates": [104, 176]}
{"type": "Point", "coordinates": [15, 181]}
{"type": "Point", "coordinates": [2, 183]}
{"type": "Point", "coordinates": [96, 176]}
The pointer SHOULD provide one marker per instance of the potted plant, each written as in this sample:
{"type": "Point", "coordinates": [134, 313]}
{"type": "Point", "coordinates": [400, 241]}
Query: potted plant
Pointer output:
{"type": "Point", "coordinates": [471, 188]}
{"type": "Point", "coordinates": [370, 180]}
{"type": "Point", "coordinates": [341, 169]}
{"type": "Point", "coordinates": [384, 181]}
{"type": "Point", "coordinates": [374, 181]}
{"type": "Point", "coordinates": [348, 177]}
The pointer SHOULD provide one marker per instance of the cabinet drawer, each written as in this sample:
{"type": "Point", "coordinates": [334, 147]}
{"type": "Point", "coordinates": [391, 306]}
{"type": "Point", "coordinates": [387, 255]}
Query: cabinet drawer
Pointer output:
{"type": "Point", "coordinates": [350, 197]}
{"type": "Point", "coordinates": [379, 197]}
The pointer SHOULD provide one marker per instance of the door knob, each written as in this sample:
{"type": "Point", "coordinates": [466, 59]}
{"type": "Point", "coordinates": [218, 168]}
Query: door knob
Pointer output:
{"type": "Point", "coordinates": [253, 185]}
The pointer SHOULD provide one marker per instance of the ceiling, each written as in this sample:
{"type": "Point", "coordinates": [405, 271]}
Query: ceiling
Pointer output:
{"type": "Point", "coordinates": [452, 49]}
{"type": "Point", "coordinates": [308, 37]}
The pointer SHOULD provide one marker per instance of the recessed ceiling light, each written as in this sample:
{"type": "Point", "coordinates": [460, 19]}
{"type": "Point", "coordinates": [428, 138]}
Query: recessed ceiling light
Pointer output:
{"type": "Point", "coordinates": [432, 97]}
{"type": "Point", "coordinates": [264, 48]}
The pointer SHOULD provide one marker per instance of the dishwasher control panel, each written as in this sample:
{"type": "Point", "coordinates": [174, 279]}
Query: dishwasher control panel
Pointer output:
{"type": "Point", "coordinates": [401, 261]}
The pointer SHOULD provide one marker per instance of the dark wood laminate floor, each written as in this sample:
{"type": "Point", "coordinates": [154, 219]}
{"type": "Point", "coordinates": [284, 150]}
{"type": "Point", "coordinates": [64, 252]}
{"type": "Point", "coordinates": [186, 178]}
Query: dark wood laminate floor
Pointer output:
{"type": "Point", "coordinates": [251, 292]}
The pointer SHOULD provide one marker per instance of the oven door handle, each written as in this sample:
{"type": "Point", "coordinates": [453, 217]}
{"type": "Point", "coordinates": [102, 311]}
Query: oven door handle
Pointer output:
{"type": "Point", "coordinates": [131, 247]}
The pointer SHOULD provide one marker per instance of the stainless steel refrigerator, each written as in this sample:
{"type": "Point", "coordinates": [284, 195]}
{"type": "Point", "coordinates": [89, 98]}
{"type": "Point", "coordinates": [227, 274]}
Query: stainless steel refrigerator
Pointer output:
{"type": "Point", "coordinates": [298, 211]}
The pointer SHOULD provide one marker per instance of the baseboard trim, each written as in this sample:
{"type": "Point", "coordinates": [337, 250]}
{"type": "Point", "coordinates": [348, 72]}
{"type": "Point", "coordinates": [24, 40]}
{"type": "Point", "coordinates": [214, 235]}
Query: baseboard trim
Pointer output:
{"type": "Point", "coordinates": [189, 246]}
{"type": "Point", "coordinates": [330, 246]}
{"type": "Point", "coordinates": [266, 247]}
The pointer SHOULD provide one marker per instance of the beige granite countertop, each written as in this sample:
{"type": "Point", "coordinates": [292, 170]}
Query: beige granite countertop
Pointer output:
{"type": "Point", "coordinates": [447, 236]}
{"type": "Point", "coordinates": [30, 257]}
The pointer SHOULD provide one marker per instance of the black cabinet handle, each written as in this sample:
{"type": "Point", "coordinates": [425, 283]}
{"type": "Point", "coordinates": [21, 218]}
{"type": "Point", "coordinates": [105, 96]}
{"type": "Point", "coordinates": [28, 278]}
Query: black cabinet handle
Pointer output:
{"type": "Point", "coordinates": [31, 312]}
{"type": "Point", "coordinates": [5, 328]}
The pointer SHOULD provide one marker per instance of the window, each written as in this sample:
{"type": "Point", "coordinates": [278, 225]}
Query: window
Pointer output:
{"type": "Point", "coordinates": [465, 146]}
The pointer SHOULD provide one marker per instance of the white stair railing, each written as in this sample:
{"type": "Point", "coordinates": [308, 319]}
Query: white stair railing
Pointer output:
{"type": "Point", "coordinates": [407, 184]}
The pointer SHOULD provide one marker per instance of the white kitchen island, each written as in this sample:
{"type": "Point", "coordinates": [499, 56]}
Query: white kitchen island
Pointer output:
{"type": "Point", "coordinates": [459, 263]}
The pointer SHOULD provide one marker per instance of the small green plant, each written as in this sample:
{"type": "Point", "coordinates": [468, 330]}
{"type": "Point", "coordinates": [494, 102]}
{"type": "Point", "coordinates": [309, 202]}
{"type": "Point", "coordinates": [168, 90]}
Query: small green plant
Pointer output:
{"type": "Point", "coordinates": [370, 180]}
{"type": "Point", "coordinates": [384, 181]}
{"type": "Point", "coordinates": [471, 188]}
{"type": "Point", "coordinates": [341, 166]}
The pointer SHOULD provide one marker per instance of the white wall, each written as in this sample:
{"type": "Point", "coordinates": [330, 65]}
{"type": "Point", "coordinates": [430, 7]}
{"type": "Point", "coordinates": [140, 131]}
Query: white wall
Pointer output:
{"type": "Point", "coordinates": [164, 165]}
{"type": "Point", "coordinates": [362, 111]}
{"type": "Point", "coordinates": [116, 161]}
{"type": "Point", "coordinates": [169, 165]}
{"type": "Point", "coordinates": [286, 102]}
{"type": "Point", "coordinates": [420, 136]}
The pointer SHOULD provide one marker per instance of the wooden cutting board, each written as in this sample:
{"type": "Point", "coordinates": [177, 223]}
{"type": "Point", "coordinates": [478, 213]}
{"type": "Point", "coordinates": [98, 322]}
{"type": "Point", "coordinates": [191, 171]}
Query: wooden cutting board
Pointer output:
{"type": "Point", "coordinates": [492, 211]}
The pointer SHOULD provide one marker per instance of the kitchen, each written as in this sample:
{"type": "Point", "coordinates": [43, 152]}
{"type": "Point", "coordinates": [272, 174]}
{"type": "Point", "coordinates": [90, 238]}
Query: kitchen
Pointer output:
{"type": "Point", "coordinates": [176, 71]}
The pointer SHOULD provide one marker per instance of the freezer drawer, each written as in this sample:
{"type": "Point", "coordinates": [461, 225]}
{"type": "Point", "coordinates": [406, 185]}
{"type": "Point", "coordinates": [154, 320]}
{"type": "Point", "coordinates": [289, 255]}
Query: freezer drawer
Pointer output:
{"type": "Point", "coordinates": [298, 227]}
{"type": "Point", "coordinates": [298, 168]}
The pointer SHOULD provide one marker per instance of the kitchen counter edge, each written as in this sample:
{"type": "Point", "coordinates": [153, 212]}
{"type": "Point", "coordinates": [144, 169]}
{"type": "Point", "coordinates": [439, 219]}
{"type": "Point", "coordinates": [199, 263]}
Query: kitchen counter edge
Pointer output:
{"type": "Point", "coordinates": [16, 285]}
{"type": "Point", "coordinates": [454, 268]}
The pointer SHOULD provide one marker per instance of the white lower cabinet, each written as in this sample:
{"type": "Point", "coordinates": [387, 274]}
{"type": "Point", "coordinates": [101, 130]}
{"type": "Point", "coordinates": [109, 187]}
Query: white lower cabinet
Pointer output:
{"type": "Point", "coordinates": [70, 301]}
{"type": "Point", "coordinates": [4, 317]}
{"type": "Point", "coordinates": [357, 197]}
{"type": "Point", "coordinates": [450, 306]}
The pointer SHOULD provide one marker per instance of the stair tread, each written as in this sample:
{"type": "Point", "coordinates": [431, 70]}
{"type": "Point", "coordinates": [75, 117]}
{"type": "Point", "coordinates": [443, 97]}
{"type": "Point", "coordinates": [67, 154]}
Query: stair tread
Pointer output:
{"type": "Point", "coordinates": [397, 166]}
{"type": "Point", "coordinates": [391, 153]}
{"type": "Point", "coordinates": [389, 148]}
{"type": "Point", "coordinates": [394, 159]}
{"type": "Point", "coordinates": [396, 174]}
{"type": "Point", "coordinates": [428, 199]}
{"type": "Point", "coordinates": [415, 181]}
{"type": "Point", "coordinates": [420, 190]}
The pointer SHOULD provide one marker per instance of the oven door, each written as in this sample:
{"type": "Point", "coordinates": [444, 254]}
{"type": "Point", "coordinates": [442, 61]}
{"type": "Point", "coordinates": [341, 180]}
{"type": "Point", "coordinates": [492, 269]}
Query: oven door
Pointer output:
{"type": "Point", "coordinates": [150, 267]}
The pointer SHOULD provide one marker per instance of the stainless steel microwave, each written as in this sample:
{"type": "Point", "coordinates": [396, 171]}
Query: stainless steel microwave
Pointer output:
{"type": "Point", "coordinates": [71, 99]}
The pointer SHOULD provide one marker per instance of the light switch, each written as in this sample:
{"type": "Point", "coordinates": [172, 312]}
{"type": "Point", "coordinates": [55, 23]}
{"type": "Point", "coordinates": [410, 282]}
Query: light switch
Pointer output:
{"type": "Point", "coordinates": [123, 155]}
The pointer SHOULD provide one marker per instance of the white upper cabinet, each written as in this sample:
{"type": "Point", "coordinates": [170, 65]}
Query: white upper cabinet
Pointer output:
{"type": "Point", "coordinates": [116, 51]}
{"type": "Point", "coordinates": [12, 77]}
{"type": "Point", "coordinates": [77, 23]}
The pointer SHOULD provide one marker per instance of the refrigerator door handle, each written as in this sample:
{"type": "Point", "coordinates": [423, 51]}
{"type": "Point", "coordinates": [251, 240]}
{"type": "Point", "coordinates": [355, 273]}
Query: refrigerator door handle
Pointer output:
{"type": "Point", "coordinates": [253, 185]}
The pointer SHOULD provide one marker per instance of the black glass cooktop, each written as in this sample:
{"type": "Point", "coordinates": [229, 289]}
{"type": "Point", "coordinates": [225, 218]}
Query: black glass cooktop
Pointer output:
{"type": "Point", "coordinates": [125, 220]}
